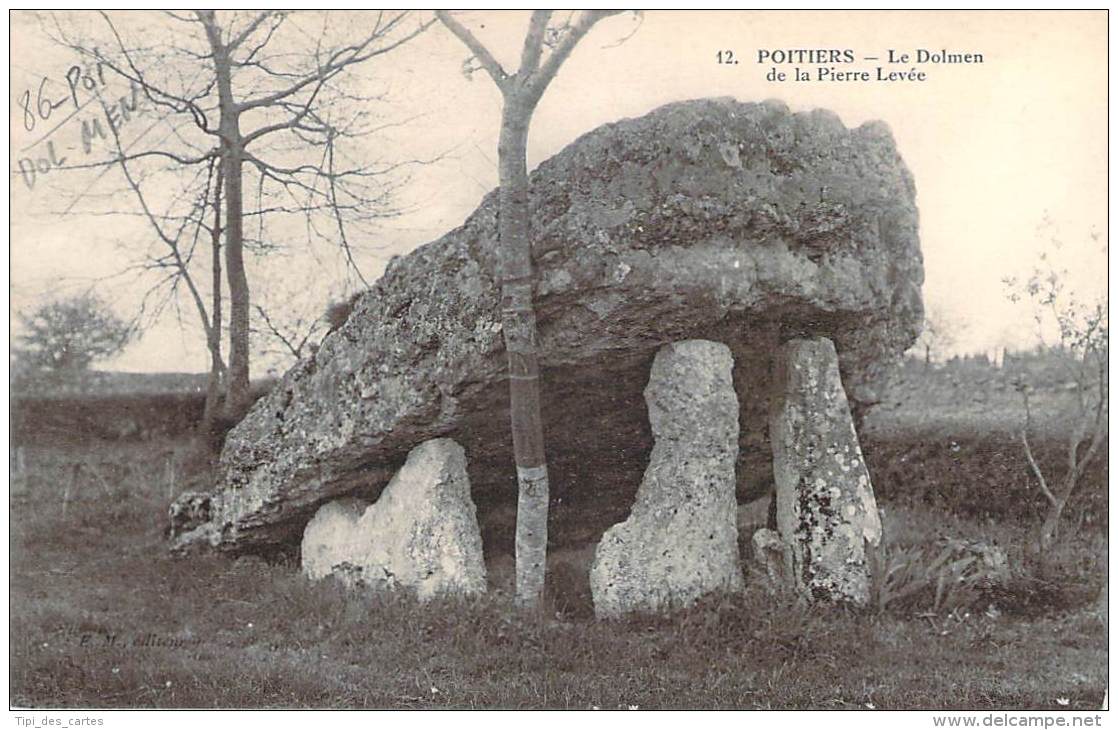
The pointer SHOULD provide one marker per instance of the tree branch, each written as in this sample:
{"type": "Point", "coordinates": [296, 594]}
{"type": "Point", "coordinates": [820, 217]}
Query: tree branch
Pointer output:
{"type": "Point", "coordinates": [339, 60]}
{"type": "Point", "coordinates": [234, 44]}
{"type": "Point", "coordinates": [184, 161]}
{"type": "Point", "coordinates": [481, 53]}
{"type": "Point", "coordinates": [533, 43]}
{"type": "Point", "coordinates": [1099, 425]}
{"type": "Point", "coordinates": [537, 84]}
{"type": "Point", "coordinates": [174, 102]}
{"type": "Point", "coordinates": [1029, 451]}
{"type": "Point", "coordinates": [291, 123]}
{"type": "Point", "coordinates": [275, 331]}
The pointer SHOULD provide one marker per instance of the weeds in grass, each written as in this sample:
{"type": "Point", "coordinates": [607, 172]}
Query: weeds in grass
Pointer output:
{"type": "Point", "coordinates": [959, 573]}
{"type": "Point", "coordinates": [955, 573]}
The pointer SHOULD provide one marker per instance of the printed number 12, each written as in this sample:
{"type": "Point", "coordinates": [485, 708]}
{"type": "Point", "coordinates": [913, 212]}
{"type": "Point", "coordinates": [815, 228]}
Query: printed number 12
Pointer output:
{"type": "Point", "coordinates": [726, 57]}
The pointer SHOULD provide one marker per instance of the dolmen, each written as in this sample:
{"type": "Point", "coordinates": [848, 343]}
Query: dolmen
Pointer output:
{"type": "Point", "coordinates": [784, 241]}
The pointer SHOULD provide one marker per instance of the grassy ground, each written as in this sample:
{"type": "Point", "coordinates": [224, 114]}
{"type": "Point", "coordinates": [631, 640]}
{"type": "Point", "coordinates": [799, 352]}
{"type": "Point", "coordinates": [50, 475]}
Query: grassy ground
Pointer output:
{"type": "Point", "coordinates": [101, 616]}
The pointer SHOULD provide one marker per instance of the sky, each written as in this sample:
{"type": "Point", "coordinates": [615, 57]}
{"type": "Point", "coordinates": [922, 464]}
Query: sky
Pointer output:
{"type": "Point", "coordinates": [1006, 154]}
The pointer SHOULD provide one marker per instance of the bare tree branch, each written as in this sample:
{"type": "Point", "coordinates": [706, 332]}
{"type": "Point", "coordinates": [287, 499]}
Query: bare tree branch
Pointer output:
{"type": "Point", "coordinates": [533, 43]}
{"type": "Point", "coordinates": [183, 161]}
{"type": "Point", "coordinates": [481, 53]}
{"type": "Point", "coordinates": [1029, 452]}
{"type": "Point", "coordinates": [158, 96]}
{"type": "Point", "coordinates": [537, 83]}
{"type": "Point", "coordinates": [339, 60]}
{"type": "Point", "coordinates": [255, 23]}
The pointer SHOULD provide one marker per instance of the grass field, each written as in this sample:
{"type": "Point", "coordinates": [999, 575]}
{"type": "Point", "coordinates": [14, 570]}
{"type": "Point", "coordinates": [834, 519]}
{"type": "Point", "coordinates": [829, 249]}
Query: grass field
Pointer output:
{"type": "Point", "coordinates": [102, 616]}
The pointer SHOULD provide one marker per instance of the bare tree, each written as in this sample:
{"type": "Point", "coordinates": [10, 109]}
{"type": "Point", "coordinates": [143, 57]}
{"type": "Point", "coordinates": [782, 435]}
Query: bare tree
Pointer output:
{"type": "Point", "coordinates": [521, 92]}
{"type": "Point", "coordinates": [1083, 332]}
{"type": "Point", "coordinates": [263, 92]}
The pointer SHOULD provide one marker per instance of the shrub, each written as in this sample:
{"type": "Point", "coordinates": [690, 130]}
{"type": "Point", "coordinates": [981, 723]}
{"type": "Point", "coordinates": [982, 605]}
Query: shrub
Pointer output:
{"type": "Point", "coordinates": [955, 574]}
{"type": "Point", "coordinates": [68, 335]}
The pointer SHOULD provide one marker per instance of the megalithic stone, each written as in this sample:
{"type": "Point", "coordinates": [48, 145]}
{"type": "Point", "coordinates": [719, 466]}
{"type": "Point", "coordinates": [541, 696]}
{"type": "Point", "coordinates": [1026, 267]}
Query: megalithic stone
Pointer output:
{"type": "Point", "coordinates": [681, 540]}
{"type": "Point", "coordinates": [826, 511]}
{"type": "Point", "coordinates": [421, 534]}
{"type": "Point", "coordinates": [707, 219]}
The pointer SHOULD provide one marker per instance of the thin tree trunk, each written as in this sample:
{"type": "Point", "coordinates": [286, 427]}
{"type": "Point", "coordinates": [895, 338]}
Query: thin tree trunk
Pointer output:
{"type": "Point", "coordinates": [237, 394]}
{"type": "Point", "coordinates": [519, 323]}
{"type": "Point", "coordinates": [521, 93]}
{"type": "Point", "coordinates": [232, 157]}
{"type": "Point", "coordinates": [1050, 530]}
{"type": "Point", "coordinates": [213, 385]}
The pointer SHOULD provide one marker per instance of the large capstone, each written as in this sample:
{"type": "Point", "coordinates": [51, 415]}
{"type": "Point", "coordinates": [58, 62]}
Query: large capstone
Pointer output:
{"type": "Point", "coordinates": [733, 222]}
{"type": "Point", "coordinates": [681, 540]}
{"type": "Point", "coordinates": [825, 510]}
{"type": "Point", "coordinates": [422, 534]}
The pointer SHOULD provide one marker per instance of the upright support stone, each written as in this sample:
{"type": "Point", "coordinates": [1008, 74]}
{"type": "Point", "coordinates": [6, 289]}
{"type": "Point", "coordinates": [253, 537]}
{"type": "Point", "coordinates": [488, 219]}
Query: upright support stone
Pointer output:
{"type": "Point", "coordinates": [331, 540]}
{"type": "Point", "coordinates": [680, 541]}
{"type": "Point", "coordinates": [422, 534]}
{"type": "Point", "coordinates": [825, 506]}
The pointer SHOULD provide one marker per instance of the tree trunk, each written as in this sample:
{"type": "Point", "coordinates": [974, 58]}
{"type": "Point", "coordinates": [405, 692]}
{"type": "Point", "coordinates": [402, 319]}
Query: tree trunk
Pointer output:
{"type": "Point", "coordinates": [232, 157]}
{"type": "Point", "coordinates": [1050, 530]}
{"type": "Point", "coordinates": [521, 93]}
{"type": "Point", "coordinates": [519, 323]}
{"type": "Point", "coordinates": [237, 393]}
{"type": "Point", "coordinates": [213, 384]}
